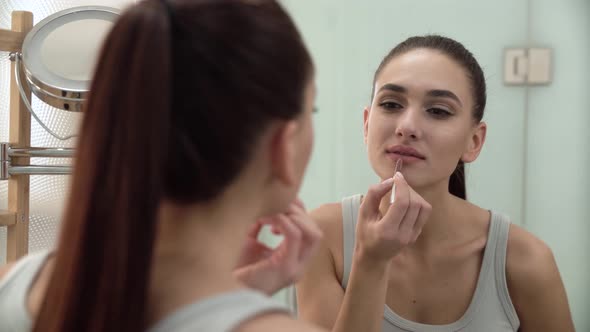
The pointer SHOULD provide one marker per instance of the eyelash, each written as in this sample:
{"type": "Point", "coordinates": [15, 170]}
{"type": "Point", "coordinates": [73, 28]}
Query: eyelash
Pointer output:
{"type": "Point", "coordinates": [389, 105]}
{"type": "Point", "coordinates": [441, 113]}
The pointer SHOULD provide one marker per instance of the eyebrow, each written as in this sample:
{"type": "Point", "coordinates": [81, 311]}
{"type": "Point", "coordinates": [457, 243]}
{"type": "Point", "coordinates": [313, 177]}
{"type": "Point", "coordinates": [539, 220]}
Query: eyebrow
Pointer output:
{"type": "Point", "coordinates": [393, 87]}
{"type": "Point", "coordinates": [444, 94]}
{"type": "Point", "coordinates": [430, 93]}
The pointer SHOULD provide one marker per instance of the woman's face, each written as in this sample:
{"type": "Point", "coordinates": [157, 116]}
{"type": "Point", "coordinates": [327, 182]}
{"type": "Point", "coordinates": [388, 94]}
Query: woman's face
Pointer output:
{"type": "Point", "coordinates": [421, 112]}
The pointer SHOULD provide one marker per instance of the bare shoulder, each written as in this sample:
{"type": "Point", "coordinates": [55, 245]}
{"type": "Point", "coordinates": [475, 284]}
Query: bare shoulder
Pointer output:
{"type": "Point", "coordinates": [534, 283]}
{"type": "Point", "coordinates": [278, 322]}
{"type": "Point", "coordinates": [529, 261]}
{"type": "Point", "coordinates": [5, 269]}
{"type": "Point", "coordinates": [328, 217]}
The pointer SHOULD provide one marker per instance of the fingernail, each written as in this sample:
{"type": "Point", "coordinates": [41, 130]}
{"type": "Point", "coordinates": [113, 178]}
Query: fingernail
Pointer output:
{"type": "Point", "coordinates": [398, 175]}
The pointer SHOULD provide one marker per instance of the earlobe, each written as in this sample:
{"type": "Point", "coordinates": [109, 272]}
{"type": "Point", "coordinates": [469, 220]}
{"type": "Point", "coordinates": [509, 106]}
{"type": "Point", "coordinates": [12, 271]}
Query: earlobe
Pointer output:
{"type": "Point", "coordinates": [475, 143]}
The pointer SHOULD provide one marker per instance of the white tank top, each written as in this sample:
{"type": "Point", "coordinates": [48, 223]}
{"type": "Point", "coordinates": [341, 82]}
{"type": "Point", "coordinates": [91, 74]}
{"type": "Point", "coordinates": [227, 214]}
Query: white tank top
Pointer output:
{"type": "Point", "coordinates": [219, 313]}
{"type": "Point", "coordinates": [490, 309]}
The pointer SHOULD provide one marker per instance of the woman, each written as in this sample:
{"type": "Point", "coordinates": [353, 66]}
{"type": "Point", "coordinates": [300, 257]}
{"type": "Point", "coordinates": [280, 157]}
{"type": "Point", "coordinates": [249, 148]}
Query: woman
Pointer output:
{"type": "Point", "coordinates": [191, 135]}
{"type": "Point", "coordinates": [433, 260]}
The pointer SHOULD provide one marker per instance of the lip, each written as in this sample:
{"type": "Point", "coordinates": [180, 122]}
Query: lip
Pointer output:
{"type": "Point", "coordinates": [404, 152]}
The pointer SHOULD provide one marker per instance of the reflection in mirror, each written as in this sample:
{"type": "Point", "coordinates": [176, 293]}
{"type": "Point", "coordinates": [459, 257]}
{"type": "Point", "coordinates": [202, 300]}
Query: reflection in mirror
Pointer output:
{"type": "Point", "coordinates": [512, 173]}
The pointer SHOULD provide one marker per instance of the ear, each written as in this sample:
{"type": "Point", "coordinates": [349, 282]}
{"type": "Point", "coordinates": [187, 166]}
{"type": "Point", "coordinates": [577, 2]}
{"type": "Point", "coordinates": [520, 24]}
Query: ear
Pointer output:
{"type": "Point", "coordinates": [366, 112]}
{"type": "Point", "coordinates": [475, 144]}
{"type": "Point", "coordinates": [283, 152]}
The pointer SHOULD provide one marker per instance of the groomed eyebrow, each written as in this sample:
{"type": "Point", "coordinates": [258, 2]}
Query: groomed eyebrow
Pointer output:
{"type": "Point", "coordinates": [430, 93]}
{"type": "Point", "coordinates": [444, 94]}
{"type": "Point", "coordinates": [393, 87]}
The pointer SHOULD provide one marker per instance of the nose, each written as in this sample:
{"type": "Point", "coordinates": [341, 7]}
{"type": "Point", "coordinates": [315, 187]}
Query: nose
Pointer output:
{"type": "Point", "coordinates": [407, 125]}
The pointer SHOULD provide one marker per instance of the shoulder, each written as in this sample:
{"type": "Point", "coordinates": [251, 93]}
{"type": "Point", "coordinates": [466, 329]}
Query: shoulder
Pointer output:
{"type": "Point", "coordinates": [5, 269]}
{"type": "Point", "coordinates": [270, 322]}
{"type": "Point", "coordinates": [531, 269]}
{"type": "Point", "coordinates": [529, 261]}
{"type": "Point", "coordinates": [534, 284]}
{"type": "Point", "coordinates": [40, 277]}
{"type": "Point", "coordinates": [327, 213]}
{"type": "Point", "coordinates": [328, 217]}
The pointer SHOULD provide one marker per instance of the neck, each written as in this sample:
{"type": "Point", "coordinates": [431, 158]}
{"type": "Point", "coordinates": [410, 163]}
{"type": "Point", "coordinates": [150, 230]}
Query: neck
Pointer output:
{"type": "Point", "coordinates": [446, 210]}
{"type": "Point", "coordinates": [197, 249]}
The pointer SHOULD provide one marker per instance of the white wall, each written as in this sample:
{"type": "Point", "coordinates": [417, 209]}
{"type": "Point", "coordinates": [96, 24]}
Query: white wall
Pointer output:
{"type": "Point", "coordinates": [348, 39]}
{"type": "Point", "coordinates": [558, 177]}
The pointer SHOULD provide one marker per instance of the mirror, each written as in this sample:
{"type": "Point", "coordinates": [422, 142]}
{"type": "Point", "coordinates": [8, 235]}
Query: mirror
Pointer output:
{"type": "Point", "coordinates": [59, 59]}
{"type": "Point", "coordinates": [47, 192]}
{"type": "Point", "coordinates": [533, 166]}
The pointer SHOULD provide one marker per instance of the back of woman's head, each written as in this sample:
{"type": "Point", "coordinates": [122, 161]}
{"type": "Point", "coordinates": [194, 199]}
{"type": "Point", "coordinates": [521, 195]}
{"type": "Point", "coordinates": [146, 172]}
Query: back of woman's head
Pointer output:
{"type": "Point", "coordinates": [182, 91]}
{"type": "Point", "coordinates": [464, 58]}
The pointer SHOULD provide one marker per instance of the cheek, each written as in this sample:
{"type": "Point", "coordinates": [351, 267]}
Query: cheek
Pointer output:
{"type": "Point", "coordinates": [447, 143]}
{"type": "Point", "coordinates": [378, 133]}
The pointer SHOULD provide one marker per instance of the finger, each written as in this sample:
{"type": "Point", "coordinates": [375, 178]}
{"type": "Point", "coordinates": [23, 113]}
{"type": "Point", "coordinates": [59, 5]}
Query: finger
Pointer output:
{"type": "Point", "coordinates": [310, 231]}
{"type": "Point", "coordinates": [253, 252]}
{"type": "Point", "coordinates": [295, 209]}
{"type": "Point", "coordinates": [292, 239]}
{"type": "Point", "coordinates": [299, 203]}
{"type": "Point", "coordinates": [255, 229]}
{"type": "Point", "coordinates": [260, 250]}
{"type": "Point", "coordinates": [311, 237]}
{"type": "Point", "coordinates": [275, 229]}
{"type": "Point", "coordinates": [272, 222]}
{"type": "Point", "coordinates": [369, 208]}
{"type": "Point", "coordinates": [398, 209]}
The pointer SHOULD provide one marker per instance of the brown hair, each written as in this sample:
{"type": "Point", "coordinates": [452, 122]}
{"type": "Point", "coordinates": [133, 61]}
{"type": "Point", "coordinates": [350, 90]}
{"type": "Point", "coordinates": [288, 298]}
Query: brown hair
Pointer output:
{"type": "Point", "coordinates": [458, 53]}
{"type": "Point", "coordinates": [181, 93]}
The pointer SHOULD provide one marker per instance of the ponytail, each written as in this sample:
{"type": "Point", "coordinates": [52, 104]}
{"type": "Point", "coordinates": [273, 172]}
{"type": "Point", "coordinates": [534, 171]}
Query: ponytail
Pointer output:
{"type": "Point", "coordinates": [457, 181]}
{"type": "Point", "coordinates": [102, 268]}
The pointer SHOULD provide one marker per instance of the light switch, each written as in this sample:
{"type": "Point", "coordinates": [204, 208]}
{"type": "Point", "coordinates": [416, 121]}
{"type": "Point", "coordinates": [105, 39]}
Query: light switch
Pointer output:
{"type": "Point", "coordinates": [515, 66]}
{"type": "Point", "coordinates": [539, 71]}
{"type": "Point", "coordinates": [527, 66]}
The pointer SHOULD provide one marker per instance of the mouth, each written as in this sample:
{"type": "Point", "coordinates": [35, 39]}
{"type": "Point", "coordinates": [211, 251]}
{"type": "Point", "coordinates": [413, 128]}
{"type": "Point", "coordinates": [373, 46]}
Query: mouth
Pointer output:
{"type": "Point", "coordinates": [405, 152]}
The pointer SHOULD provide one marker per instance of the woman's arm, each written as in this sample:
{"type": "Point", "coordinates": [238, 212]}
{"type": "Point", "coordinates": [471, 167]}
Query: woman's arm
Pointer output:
{"type": "Point", "coordinates": [378, 238]}
{"type": "Point", "coordinates": [320, 297]}
{"type": "Point", "coordinates": [535, 285]}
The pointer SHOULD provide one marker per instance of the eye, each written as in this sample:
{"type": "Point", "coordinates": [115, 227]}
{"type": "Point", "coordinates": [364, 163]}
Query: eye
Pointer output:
{"type": "Point", "coordinates": [439, 112]}
{"type": "Point", "coordinates": [390, 105]}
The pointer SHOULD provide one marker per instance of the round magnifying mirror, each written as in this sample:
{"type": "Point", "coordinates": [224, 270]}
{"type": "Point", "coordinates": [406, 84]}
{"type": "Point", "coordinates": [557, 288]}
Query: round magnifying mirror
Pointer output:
{"type": "Point", "coordinates": [60, 52]}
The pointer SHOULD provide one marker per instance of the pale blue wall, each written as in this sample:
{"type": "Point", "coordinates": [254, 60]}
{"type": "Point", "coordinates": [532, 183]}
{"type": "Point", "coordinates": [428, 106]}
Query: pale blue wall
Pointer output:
{"type": "Point", "coordinates": [348, 39]}
{"type": "Point", "coordinates": [558, 179]}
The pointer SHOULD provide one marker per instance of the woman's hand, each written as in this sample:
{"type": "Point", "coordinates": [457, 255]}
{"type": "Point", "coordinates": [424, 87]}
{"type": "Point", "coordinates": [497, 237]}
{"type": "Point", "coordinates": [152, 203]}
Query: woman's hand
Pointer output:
{"type": "Point", "coordinates": [270, 270]}
{"type": "Point", "coordinates": [381, 237]}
